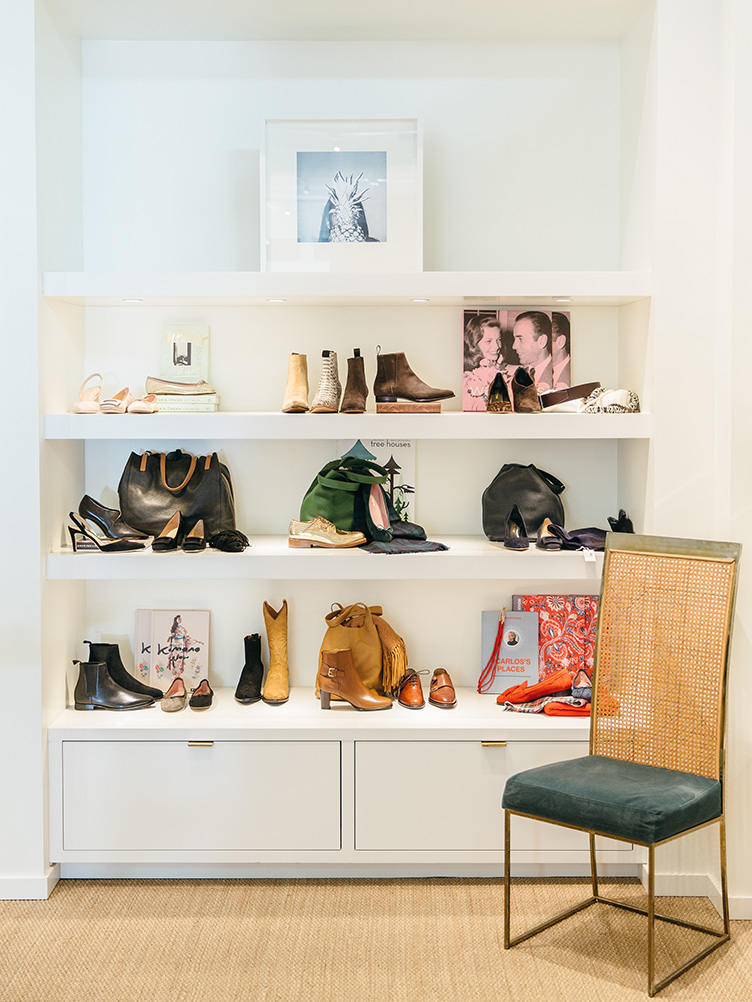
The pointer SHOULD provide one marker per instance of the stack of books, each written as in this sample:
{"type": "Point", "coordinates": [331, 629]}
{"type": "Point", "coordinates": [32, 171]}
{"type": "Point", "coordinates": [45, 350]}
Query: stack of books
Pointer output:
{"type": "Point", "coordinates": [185, 359]}
{"type": "Point", "coordinates": [179, 403]}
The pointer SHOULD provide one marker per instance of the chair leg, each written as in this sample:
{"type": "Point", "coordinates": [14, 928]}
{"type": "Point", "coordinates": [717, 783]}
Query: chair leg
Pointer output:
{"type": "Point", "coordinates": [724, 881]}
{"type": "Point", "coordinates": [507, 880]}
{"type": "Point", "coordinates": [508, 941]}
{"type": "Point", "coordinates": [651, 921]}
{"type": "Point", "coordinates": [720, 937]}
{"type": "Point", "coordinates": [593, 866]}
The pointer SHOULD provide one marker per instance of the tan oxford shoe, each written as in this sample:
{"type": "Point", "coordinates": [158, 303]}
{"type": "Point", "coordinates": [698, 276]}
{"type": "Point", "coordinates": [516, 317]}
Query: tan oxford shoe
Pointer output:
{"type": "Point", "coordinates": [442, 692]}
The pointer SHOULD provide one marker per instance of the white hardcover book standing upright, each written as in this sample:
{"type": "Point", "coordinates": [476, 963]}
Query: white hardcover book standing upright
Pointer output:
{"type": "Point", "coordinates": [171, 642]}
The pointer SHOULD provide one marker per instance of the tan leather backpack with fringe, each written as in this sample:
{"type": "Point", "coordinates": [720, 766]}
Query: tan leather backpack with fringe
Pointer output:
{"type": "Point", "coordinates": [378, 652]}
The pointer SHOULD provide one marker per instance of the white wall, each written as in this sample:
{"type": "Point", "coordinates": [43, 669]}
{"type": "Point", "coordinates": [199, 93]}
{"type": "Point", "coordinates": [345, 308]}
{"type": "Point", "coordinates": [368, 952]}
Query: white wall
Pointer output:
{"type": "Point", "coordinates": [739, 435]}
{"type": "Point", "coordinates": [521, 166]}
{"type": "Point", "coordinates": [21, 739]}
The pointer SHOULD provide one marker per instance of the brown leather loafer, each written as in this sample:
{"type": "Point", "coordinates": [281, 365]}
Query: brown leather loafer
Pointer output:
{"type": "Point", "coordinates": [442, 692]}
{"type": "Point", "coordinates": [410, 691]}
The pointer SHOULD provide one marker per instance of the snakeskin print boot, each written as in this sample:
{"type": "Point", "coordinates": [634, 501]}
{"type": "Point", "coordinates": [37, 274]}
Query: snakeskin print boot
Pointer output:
{"type": "Point", "coordinates": [329, 392]}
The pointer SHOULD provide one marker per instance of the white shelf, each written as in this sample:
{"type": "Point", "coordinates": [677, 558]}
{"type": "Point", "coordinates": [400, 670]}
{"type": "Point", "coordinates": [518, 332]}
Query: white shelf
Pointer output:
{"type": "Point", "coordinates": [270, 558]}
{"type": "Point", "coordinates": [479, 716]}
{"type": "Point", "coordinates": [274, 425]}
{"type": "Point", "coordinates": [227, 20]}
{"type": "Point", "coordinates": [585, 288]}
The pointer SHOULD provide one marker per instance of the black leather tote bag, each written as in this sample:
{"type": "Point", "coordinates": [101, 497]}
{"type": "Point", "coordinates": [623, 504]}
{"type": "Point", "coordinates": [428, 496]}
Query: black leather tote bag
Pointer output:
{"type": "Point", "coordinates": [156, 485]}
{"type": "Point", "coordinates": [535, 492]}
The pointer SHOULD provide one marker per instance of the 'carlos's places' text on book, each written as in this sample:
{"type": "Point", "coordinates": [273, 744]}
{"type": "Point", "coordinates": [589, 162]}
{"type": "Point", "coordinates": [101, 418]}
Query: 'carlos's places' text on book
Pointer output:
{"type": "Point", "coordinates": [509, 650]}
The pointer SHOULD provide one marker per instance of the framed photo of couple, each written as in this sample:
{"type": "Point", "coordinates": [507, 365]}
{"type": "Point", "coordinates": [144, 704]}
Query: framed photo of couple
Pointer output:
{"type": "Point", "coordinates": [342, 195]}
{"type": "Point", "coordinates": [502, 340]}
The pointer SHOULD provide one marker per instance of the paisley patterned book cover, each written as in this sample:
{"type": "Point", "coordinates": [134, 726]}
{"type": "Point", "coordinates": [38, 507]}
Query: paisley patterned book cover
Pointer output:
{"type": "Point", "coordinates": [566, 630]}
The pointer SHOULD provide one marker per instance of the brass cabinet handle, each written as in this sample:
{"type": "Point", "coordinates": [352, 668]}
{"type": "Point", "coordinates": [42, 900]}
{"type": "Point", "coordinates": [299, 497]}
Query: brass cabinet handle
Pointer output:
{"type": "Point", "coordinates": [200, 744]}
{"type": "Point", "coordinates": [493, 744]}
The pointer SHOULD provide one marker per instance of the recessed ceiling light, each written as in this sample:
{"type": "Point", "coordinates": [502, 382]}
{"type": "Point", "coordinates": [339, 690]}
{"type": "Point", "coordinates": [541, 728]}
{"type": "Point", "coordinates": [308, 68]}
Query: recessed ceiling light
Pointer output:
{"type": "Point", "coordinates": [133, 300]}
{"type": "Point", "coordinates": [337, 149]}
{"type": "Point", "coordinates": [563, 299]}
{"type": "Point", "coordinates": [420, 300]}
{"type": "Point", "coordinates": [276, 300]}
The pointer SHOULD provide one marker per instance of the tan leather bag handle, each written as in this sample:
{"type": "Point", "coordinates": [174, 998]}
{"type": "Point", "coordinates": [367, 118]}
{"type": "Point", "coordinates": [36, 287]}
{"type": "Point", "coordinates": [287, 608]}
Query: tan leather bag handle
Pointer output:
{"type": "Point", "coordinates": [163, 471]}
{"type": "Point", "coordinates": [340, 615]}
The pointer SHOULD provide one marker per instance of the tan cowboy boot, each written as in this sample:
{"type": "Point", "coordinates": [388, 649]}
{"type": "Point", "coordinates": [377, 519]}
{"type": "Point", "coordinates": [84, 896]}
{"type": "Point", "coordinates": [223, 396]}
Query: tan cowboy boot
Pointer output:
{"type": "Point", "coordinates": [296, 388]}
{"type": "Point", "coordinates": [277, 688]}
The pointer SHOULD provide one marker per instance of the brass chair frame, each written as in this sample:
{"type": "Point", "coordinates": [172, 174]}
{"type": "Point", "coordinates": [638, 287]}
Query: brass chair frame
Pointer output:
{"type": "Point", "coordinates": [726, 553]}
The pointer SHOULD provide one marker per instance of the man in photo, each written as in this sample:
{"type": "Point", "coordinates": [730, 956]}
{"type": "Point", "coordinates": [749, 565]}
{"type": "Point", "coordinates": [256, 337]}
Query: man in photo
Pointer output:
{"type": "Point", "coordinates": [532, 341]}
{"type": "Point", "coordinates": [560, 350]}
{"type": "Point", "coordinates": [512, 639]}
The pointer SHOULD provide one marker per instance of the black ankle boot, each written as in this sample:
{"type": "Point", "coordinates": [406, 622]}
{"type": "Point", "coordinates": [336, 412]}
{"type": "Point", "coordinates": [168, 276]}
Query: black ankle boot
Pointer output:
{"type": "Point", "coordinates": [96, 690]}
{"type": "Point", "coordinates": [110, 654]}
{"type": "Point", "coordinates": [252, 675]}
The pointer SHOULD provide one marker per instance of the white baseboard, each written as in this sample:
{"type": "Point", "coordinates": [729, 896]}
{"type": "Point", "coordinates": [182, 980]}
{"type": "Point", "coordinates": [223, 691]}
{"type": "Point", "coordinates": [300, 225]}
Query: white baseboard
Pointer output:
{"type": "Point", "coordinates": [29, 888]}
{"type": "Point", "coordinates": [698, 885]}
{"type": "Point", "coordinates": [273, 871]}
{"type": "Point", "coordinates": [666, 884]}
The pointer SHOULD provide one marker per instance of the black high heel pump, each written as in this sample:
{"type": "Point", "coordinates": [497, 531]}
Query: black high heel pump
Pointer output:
{"type": "Point", "coordinates": [195, 540]}
{"type": "Point", "coordinates": [82, 539]}
{"type": "Point", "coordinates": [546, 539]}
{"type": "Point", "coordinates": [109, 520]}
{"type": "Point", "coordinates": [499, 401]}
{"type": "Point", "coordinates": [170, 537]}
{"type": "Point", "coordinates": [515, 532]}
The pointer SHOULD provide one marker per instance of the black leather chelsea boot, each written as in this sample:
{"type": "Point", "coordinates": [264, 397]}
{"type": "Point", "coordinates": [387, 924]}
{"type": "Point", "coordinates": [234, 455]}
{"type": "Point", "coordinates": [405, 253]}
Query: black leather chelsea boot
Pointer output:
{"type": "Point", "coordinates": [95, 690]}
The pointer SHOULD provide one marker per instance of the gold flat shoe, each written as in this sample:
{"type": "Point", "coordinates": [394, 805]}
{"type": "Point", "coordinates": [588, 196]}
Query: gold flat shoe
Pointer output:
{"type": "Point", "coordinates": [320, 532]}
{"type": "Point", "coordinates": [154, 385]}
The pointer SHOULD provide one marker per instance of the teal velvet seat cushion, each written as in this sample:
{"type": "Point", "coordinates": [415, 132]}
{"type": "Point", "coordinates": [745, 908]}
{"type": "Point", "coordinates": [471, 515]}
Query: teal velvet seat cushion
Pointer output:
{"type": "Point", "coordinates": [641, 803]}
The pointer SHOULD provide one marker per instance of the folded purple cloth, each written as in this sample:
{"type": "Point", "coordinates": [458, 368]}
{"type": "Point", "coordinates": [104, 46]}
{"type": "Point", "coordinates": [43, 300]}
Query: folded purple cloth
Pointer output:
{"type": "Point", "coordinates": [590, 538]}
{"type": "Point", "coordinates": [405, 546]}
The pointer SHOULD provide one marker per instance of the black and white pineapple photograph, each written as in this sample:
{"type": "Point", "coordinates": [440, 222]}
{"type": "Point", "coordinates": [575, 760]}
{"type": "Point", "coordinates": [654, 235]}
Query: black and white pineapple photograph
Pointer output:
{"type": "Point", "coordinates": [341, 197]}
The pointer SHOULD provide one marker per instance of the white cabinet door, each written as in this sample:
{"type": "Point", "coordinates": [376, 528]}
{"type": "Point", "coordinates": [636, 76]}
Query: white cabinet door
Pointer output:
{"type": "Point", "coordinates": [157, 795]}
{"type": "Point", "coordinates": [447, 795]}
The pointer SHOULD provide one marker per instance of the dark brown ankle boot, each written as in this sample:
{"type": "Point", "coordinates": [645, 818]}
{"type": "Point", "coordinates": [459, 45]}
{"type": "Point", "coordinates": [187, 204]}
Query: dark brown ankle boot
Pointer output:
{"type": "Point", "coordinates": [356, 391]}
{"type": "Point", "coordinates": [396, 380]}
{"type": "Point", "coordinates": [524, 393]}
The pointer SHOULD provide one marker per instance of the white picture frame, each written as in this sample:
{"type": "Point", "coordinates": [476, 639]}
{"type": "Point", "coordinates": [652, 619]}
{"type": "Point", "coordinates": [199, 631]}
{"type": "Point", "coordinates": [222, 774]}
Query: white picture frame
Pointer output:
{"type": "Point", "coordinates": [342, 195]}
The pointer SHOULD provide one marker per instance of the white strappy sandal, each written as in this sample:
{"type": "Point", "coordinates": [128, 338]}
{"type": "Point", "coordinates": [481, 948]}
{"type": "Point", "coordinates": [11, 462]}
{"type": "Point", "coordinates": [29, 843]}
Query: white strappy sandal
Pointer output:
{"type": "Point", "coordinates": [88, 396]}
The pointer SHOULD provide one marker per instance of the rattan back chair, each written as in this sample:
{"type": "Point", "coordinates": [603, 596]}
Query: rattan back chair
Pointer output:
{"type": "Point", "coordinates": [655, 769]}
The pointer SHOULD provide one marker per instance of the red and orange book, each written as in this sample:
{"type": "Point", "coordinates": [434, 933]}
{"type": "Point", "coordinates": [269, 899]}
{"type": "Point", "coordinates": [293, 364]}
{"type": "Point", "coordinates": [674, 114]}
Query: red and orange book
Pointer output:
{"type": "Point", "coordinates": [566, 630]}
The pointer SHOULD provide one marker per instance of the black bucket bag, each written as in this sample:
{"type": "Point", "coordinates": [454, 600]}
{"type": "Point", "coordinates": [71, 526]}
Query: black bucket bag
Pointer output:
{"type": "Point", "coordinates": [535, 492]}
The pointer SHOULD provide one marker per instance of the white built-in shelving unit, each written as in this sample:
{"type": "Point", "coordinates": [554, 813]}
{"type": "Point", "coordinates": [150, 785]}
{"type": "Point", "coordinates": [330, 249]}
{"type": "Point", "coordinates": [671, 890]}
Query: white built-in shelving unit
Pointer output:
{"type": "Point", "coordinates": [558, 173]}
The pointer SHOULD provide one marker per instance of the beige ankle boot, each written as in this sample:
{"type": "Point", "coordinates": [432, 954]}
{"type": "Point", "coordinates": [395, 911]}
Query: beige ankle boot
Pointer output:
{"type": "Point", "coordinates": [296, 388]}
{"type": "Point", "coordinates": [277, 688]}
